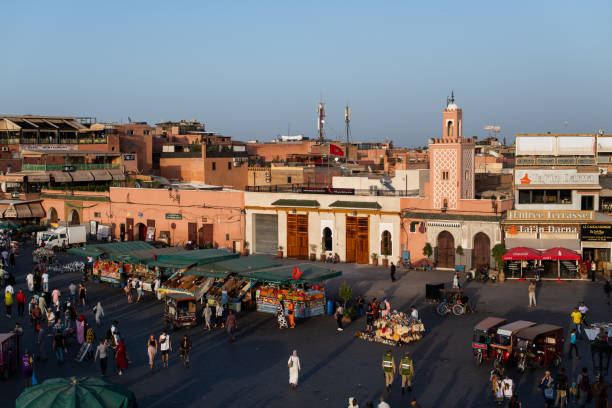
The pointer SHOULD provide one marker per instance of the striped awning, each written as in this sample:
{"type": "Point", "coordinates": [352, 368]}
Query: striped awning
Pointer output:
{"type": "Point", "coordinates": [38, 178]}
{"type": "Point", "coordinates": [101, 175]}
{"type": "Point", "coordinates": [37, 210]}
{"type": "Point", "coordinates": [60, 177]}
{"type": "Point", "coordinates": [81, 175]}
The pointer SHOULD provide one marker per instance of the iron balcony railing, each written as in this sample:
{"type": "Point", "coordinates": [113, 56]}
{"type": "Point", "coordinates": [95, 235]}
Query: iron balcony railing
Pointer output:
{"type": "Point", "coordinates": [77, 166]}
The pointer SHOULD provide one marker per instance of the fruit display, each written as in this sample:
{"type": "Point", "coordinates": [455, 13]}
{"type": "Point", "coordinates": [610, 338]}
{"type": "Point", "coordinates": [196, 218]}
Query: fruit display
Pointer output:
{"type": "Point", "coordinates": [307, 302]}
{"type": "Point", "coordinates": [109, 270]}
{"type": "Point", "coordinates": [395, 329]}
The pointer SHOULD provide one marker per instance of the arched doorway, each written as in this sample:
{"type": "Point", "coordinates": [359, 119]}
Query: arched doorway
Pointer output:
{"type": "Point", "coordinates": [141, 232]}
{"type": "Point", "coordinates": [52, 215]}
{"type": "Point", "coordinates": [74, 218]}
{"type": "Point", "coordinates": [481, 255]}
{"type": "Point", "coordinates": [445, 253]}
{"type": "Point", "coordinates": [386, 247]}
{"type": "Point", "coordinates": [327, 239]}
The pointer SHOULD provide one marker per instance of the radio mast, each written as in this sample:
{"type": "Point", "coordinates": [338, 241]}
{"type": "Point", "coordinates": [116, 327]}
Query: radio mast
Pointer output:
{"type": "Point", "coordinates": [321, 122]}
{"type": "Point", "coordinates": [347, 120]}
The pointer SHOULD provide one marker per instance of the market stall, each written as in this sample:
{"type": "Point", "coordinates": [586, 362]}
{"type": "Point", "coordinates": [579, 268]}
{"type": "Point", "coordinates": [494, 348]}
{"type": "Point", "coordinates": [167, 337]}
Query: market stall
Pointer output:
{"type": "Point", "coordinates": [292, 284]}
{"type": "Point", "coordinates": [594, 329]}
{"type": "Point", "coordinates": [394, 329]}
{"type": "Point", "coordinates": [41, 254]}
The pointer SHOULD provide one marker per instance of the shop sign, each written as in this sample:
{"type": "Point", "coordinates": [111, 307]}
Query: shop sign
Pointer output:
{"type": "Point", "coordinates": [550, 215]}
{"type": "Point", "coordinates": [328, 190]}
{"type": "Point", "coordinates": [128, 157]}
{"type": "Point", "coordinates": [533, 229]}
{"type": "Point", "coordinates": [170, 216]}
{"type": "Point", "coordinates": [596, 232]}
{"type": "Point", "coordinates": [48, 147]}
{"type": "Point", "coordinates": [554, 177]}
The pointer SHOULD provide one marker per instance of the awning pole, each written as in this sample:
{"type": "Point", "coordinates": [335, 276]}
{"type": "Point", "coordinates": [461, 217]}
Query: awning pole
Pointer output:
{"type": "Point", "coordinates": [559, 270]}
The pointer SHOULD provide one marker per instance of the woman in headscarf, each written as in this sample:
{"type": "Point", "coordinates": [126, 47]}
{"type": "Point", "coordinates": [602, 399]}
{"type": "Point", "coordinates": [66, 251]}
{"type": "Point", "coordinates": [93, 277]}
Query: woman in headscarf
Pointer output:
{"type": "Point", "coordinates": [280, 315]}
{"type": "Point", "coordinates": [121, 358]}
{"type": "Point", "coordinates": [80, 329]}
{"type": "Point", "coordinates": [294, 369]}
{"type": "Point", "coordinates": [99, 313]}
{"type": "Point", "coordinates": [207, 313]}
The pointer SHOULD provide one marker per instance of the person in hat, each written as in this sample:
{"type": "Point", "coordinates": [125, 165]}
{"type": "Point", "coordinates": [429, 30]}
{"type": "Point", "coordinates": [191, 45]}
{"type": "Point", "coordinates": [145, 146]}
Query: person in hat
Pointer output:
{"type": "Point", "coordinates": [388, 367]}
{"type": "Point", "coordinates": [406, 371]}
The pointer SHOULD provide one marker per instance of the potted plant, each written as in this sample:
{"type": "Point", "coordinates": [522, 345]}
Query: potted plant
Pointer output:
{"type": "Point", "coordinates": [497, 252]}
{"type": "Point", "coordinates": [323, 256]}
{"type": "Point", "coordinates": [280, 251]}
{"type": "Point", "coordinates": [459, 252]}
{"type": "Point", "coordinates": [385, 260]}
{"type": "Point", "coordinates": [245, 248]}
{"type": "Point", "coordinates": [313, 252]}
{"type": "Point", "coordinates": [374, 258]}
{"type": "Point", "coordinates": [346, 293]}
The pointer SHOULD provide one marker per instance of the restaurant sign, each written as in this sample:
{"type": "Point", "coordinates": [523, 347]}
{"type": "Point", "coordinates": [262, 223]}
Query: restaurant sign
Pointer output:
{"type": "Point", "coordinates": [536, 229]}
{"type": "Point", "coordinates": [328, 190]}
{"type": "Point", "coordinates": [170, 216]}
{"type": "Point", "coordinates": [550, 215]}
{"type": "Point", "coordinates": [596, 232]}
{"type": "Point", "coordinates": [554, 177]}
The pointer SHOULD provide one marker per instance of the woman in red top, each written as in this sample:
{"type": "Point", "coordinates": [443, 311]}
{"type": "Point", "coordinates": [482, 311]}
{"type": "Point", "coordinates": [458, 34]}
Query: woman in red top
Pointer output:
{"type": "Point", "coordinates": [121, 357]}
{"type": "Point", "coordinates": [375, 310]}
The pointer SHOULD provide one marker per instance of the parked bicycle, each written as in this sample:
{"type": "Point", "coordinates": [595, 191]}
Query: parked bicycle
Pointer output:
{"type": "Point", "coordinates": [450, 303]}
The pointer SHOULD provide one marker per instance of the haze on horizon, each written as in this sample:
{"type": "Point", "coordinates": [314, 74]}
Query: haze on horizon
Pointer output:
{"type": "Point", "coordinates": [249, 69]}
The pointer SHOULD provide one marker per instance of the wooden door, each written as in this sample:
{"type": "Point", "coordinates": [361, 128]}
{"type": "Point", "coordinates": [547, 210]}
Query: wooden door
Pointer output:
{"type": "Point", "coordinates": [297, 236]}
{"type": "Point", "coordinates": [205, 235]}
{"type": "Point", "coordinates": [481, 256]}
{"type": "Point", "coordinates": [445, 253]}
{"type": "Point", "coordinates": [192, 232]}
{"type": "Point", "coordinates": [351, 237]}
{"type": "Point", "coordinates": [363, 240]}
{"type": "Point", "coordinates": [129, 223]}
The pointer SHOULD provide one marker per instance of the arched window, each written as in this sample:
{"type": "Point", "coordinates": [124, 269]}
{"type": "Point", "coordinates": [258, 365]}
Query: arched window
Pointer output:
{"type": "Point", "coordinates": [327, 239]}
{"type": "Point", "coordinates": [52, 215]}
{"type": "Point", "coordinates": [386, 248]}
{"type": "Point", "coordinates": [449, 129]}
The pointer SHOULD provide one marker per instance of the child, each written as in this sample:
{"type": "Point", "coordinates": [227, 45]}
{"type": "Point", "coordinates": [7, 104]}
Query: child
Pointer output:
{"type": "Point", "coordinates": [573, 393]}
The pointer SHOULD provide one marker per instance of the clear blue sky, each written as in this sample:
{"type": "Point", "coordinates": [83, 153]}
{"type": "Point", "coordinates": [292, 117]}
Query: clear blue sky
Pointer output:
{"type": "Point", "coordinates": [249, 68]}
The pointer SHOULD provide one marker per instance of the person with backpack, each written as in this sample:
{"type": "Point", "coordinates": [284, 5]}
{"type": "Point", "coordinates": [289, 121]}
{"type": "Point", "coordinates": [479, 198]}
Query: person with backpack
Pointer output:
{"type": "Point", "coordinates": [548, 391]}
{"type": "Point", "coordinates": [584, 388]}
{"type": "Point", "coordinates": [562, 387]}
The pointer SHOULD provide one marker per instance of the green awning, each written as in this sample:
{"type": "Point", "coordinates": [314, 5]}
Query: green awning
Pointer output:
{"type": "Point", "coordinates": [143, 256]}
{"type": "Point", "coordinates": [198, 257]}
{"type": "Point", "coordinates": [282, 274]}
{"type": "Point", "coordinates": [86, 251]}
{"type": "Point", "coordinates": [370, 205]}
{"type": "Point", "coordinates": [237, 265]}
{"type": "Point", "coordinates": [208, 273]}
{"type": "Point", "coordinates": [174, 264]}
{"type": "Point", "coordinates": [124, 247]}
{"type": "Point", "coordinates": [296, 203]}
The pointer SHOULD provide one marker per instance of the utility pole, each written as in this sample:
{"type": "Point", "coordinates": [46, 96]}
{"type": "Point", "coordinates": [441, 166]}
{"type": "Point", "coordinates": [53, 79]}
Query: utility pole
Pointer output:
{"type": "Point", "coordinates": [347, 120]}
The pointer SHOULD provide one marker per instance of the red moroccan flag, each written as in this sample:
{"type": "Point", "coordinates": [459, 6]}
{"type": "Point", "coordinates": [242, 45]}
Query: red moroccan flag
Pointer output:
{"type": "Point", "coordinates": [335, 150]}
{"type": "Point", "coordinates": [297, 274]}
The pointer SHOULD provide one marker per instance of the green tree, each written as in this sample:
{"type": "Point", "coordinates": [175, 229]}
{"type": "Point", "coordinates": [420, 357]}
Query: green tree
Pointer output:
{"type": "Point", "coordinates": [497, 252]}
{"type": "Point", "coordinates": [459, 251]}
{"type": "Point", "coordinates": [345, 292]}
{"type": "Point", "coordinates": [427, 250]}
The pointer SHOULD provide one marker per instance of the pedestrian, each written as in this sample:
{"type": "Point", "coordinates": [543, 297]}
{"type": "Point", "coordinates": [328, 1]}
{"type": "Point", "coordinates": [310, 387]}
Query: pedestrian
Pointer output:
{"type": "Point", "coordinates": [406, 371]}
{"type": "Point", "coordinates": [532, 293]}
{"type": "Point", "coordinates": [508, 387]}
{"type": "Point", "coordinates": [388, 367]}
{"type": "Point", "coordinates": [593, 270]}
{"type": "Point", "coordinates": [219, 315]}
{"type": "Point", "coordinates": [27, 368]}
{"type": "Point", "coordinates": [59, 344]}
{"type": "Point", "coordinates": [414, 313]}
{"type": "Point", "coordinates": [369, 318]}
{"type": "Point", "coordinates": [548, 391]}
{"type": "Point", "coordinates": [151, 350]}
{"type": "Point", "coordinates": [600, 393]}
{"type": "Point", "coordinates": [584, 388]}
{"type": "Point", "coordinates": [360, 305]}
{"type": "Point", "coordinates": [207, 314]}
{"type": "Point", "coordinates": [42, 304]}
{"type": "Point", "coordinates": [37, 281]}
{"type": "Point", "coordinates": [8, 303]}
{"type": "Point", "coordinates": [498, 390]}
{"type": "Point", "coordinates": [82, 293]}
{"type": "Point", "coordinates": [280, 316]}
{"type": "Point", "coordinates": [102, 353]}
{"type": "Point", "coordinates": [385, 307]}
{"type": "Point", "coordinates": [583, 309]}
{"type": "Point", "coordinates": [45, 281]}
{"type": "Point", "coordinates": [139, 292]}
{"type": "Point", "coordinates": [55, 295]}
{"type": "Point", "coordinates": [352, 403]}
{"type": "Point", "coordinates": [72, 290]}
{"type": "Point", "coordinates": [21, 302]}
{"type": "Point", "coordinates": [375, 311]}
{"type": "Point", "coordinates": [36, 316]}
{"type": "Point", "coordinates": [156, 286]}
{"type": "Point", "coordinates": [291, 314]}
{"type": "Point", "coordinates": [456, 280]}
{"type": "Point", "coordinates": [98, 313]}
{"type": "Point", "coordinates": [121, 358]}
{"type": "Point", "coordinates": [165, 346]}
{"type": "Point", "coordinates": [382, 403]}
{"type": "Point", "coordinates": [50, 318]}
{"type": "Point", "coordinates": [90, 338]}
{"type": "Point", "coordinates": [80, 329]}
{"type": "Point", "coordinates": [577, 321]}
{"type": "Point", "coordinates": [185, 348]}
{"type": "Point", "coordinates": [607, 289]}
{"type": "Point", "coordinates": [231, 325]}
{"type": "Point", "coordinates": [12, 259]}
{"type": "Point", "coordinates": [294, 369]}
{"type": "Point", "coordinates": [127, 291]}
{"type": "Point", "coordinates": [573, 393]}
{"type": "Point", "coordinates": [573, 345]}
{"type": "Point", "coordinates": [30, 281]}
{"type": "Point", "coordinates": [392, 268]}
{"type": "Point", "coordinates": [561, 384]}
{"type": "Point", "coordinates": [41, 339]}
{"type": "Point", "coordinates": [339, 316]}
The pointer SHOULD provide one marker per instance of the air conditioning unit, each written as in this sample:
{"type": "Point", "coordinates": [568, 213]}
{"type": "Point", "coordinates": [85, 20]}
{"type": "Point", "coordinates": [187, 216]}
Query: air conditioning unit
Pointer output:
{"type": "Point", "coordinates": [5, 149]}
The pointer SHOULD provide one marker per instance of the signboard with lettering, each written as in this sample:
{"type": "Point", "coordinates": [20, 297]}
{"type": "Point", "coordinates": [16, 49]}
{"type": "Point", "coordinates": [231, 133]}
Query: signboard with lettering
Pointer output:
{"type": "Point", "coordinates": [328, 190]}
{"type": "Point", "coordinates": [48, 147]}
{"type": "Point", "coordinates": [533, 229]}
{"type": "Point", "coordinates": [596, 232]}
{"type": "Point", "coordinates": [554, 177]}
{"type": "Point", "coordinates": [128, 157]}
{"type": "Point", "coordinates": [550, 215]}
{"type": "Point", "coordinates": [170, 216]}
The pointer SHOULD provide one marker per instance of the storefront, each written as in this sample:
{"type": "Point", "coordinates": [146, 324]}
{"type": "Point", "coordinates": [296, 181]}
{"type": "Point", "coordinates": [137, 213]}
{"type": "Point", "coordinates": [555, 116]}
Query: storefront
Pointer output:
{"type": "Point", "coordinates": [596, 242]}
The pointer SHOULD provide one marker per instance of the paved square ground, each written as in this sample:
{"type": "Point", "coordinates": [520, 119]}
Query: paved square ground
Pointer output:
{"type": "Point", "coordinates": [252, 372]}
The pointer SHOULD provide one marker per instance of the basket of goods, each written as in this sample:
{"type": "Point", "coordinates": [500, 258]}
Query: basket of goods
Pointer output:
{"type": "Point", "coordinates": [395, 329]}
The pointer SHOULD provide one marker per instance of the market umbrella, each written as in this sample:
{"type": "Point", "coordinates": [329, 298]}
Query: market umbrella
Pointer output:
{"type": "Point", "coordinates": [560, 254]}
{"type": "Point", "coordinates": [76, 392]}
{"type": "Point", "coordinates": [522, 254]}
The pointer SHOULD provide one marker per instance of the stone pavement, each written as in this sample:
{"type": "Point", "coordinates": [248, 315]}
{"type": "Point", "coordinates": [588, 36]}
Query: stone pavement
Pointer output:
{"type": "Point", "coordinates": [252, 372]}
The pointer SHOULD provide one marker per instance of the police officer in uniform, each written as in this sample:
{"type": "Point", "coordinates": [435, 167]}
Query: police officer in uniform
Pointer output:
{"type": "Point", "coordinates": [388, 366]}
{"type": "Point", "coordinates": [406, 371]}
